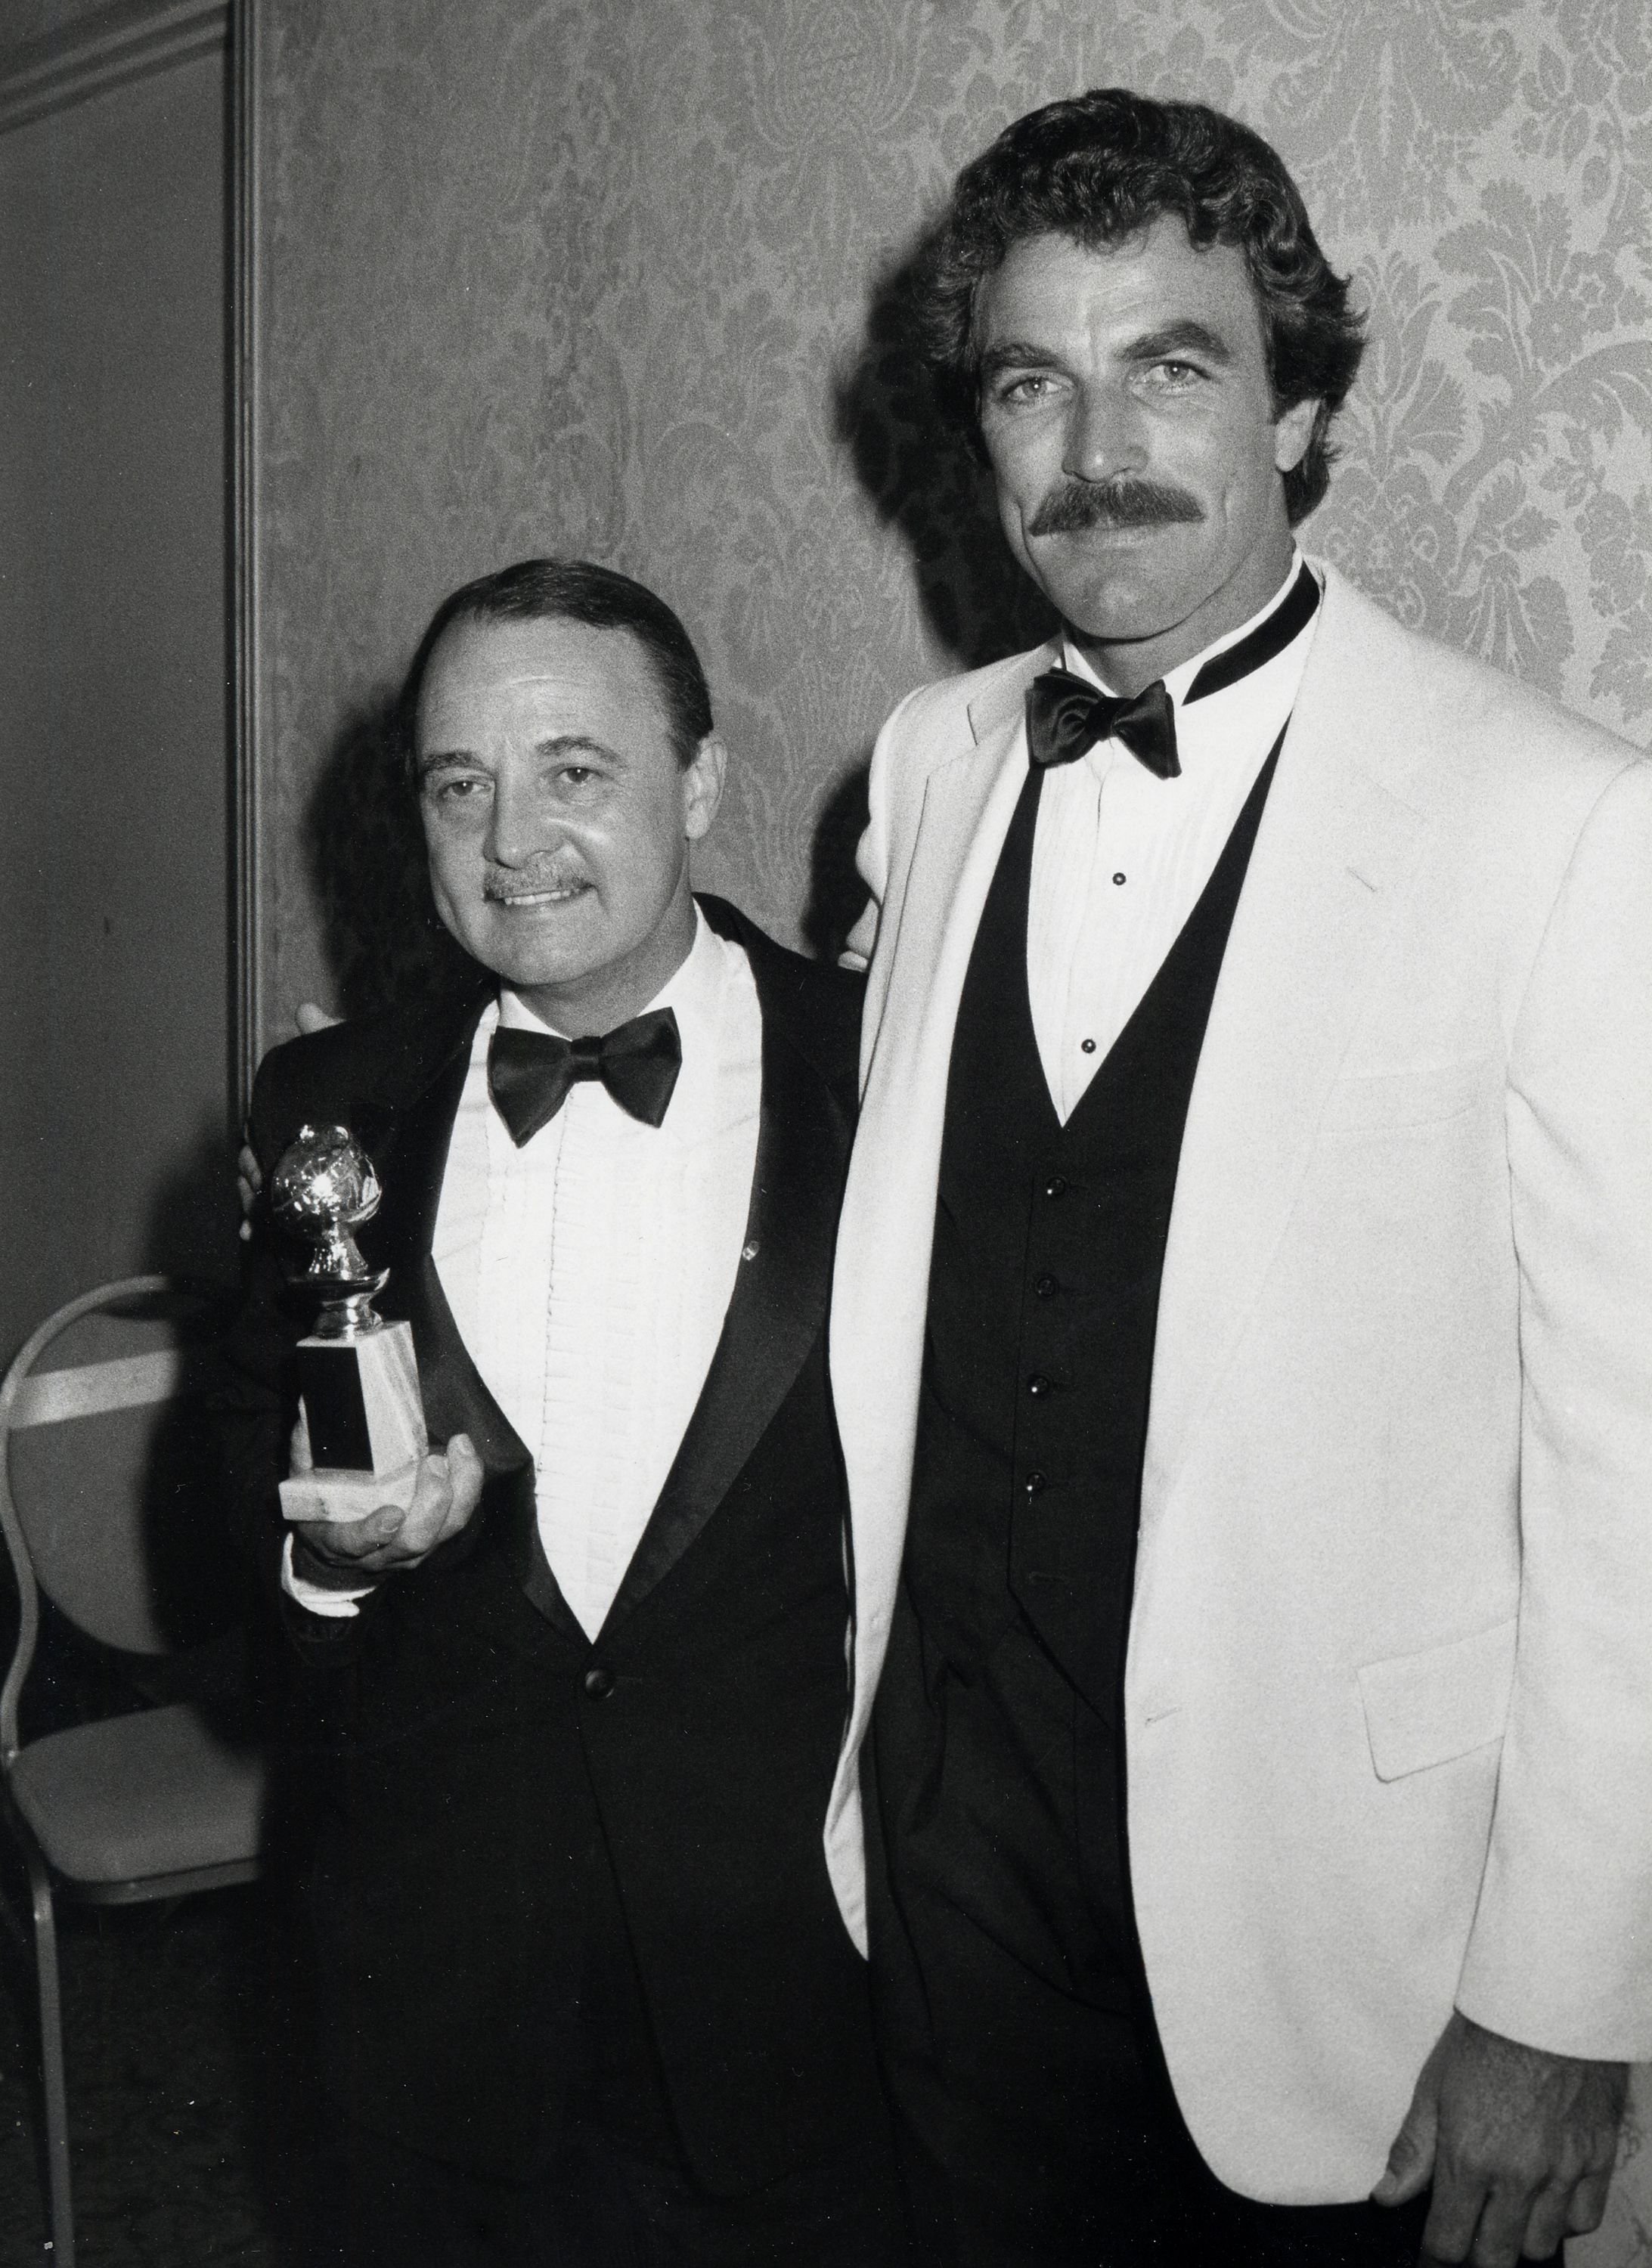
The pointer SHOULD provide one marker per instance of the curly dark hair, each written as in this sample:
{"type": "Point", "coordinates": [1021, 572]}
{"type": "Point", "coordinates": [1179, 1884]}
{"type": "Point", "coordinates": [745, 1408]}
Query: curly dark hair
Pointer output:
{"type": "Point", "coordinates": [574, 591]}
{"type": "Point", "coordinates": [1106, 165]}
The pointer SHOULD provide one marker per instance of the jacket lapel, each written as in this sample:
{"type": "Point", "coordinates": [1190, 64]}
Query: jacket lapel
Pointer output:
{"type": "Point", "coordinates": [778, 1305]}
{"type": "Point", "coordinates": [880, 1282]}
{"type": "Point", "coordinates": [1324, 885]}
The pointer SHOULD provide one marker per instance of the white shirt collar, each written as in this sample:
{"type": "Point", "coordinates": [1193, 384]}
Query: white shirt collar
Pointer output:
{"type": "Point", "coordinates": [1247, 714]}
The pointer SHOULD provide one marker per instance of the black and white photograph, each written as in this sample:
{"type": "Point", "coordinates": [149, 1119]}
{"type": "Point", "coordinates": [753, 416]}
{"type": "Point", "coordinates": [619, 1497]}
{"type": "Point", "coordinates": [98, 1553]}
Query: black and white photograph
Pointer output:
{"type": "Point", "coordinates": [826, 1117]}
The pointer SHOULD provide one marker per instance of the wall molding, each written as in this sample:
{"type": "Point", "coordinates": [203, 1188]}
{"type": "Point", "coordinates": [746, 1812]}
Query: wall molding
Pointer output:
{"type": "Point", "coordinates": [246, 362]}
{"type": "Point", "coordinates": [127, 41]}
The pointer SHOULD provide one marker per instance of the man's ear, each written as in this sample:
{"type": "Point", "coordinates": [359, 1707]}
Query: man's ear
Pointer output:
{"type": "Point", "coordinates": [702, 786]}
{"type": "Point", "coordinates": [1293, 432]}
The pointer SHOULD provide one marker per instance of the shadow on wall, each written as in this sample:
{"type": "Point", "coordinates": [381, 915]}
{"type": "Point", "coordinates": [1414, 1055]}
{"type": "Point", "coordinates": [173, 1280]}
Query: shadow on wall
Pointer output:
{"type": "Point", "coordinates": [362, 842]}
{"type": "Point", "coordinates": [365, 855]}
{"type": "Point", "coordinates": [193, 1213]}
{"type": "Point", "coordinates": [926, 482]}
{"type": "Point", "coordinates": [837, 893]}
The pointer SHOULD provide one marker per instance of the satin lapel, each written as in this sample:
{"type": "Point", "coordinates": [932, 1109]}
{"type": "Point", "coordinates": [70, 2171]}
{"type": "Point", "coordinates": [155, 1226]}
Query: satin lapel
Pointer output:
{"type": "Point", "coordinates": [411, 1158]}
{"type": "Point", "coordinates": [1323, 885]}
{"type": "Point", "coordinates": [881, 1283]}
{"type": "Point", "coordinates": [775, 1314]}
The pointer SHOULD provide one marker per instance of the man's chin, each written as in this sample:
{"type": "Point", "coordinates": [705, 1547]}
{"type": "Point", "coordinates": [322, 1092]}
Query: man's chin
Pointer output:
{"type": "Point", "coordinates": [1115, 617]}
{"type": "Point", "coordinates": [1111, 593]}
{"type": "Point", "coordinates": [528, 943]}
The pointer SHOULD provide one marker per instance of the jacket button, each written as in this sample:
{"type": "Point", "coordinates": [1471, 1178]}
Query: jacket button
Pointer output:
{"type": "Point", "coordinates": [1056, 1186]}
{"type": "Point", "coordinates": [598, 1683]}
{"type": "Point", "coordinates": [1038, 1386]}
{"type": "Point", "coordinates": [1046, 1287]}
{"type": "Point", "coordinates": [1035, 1483]}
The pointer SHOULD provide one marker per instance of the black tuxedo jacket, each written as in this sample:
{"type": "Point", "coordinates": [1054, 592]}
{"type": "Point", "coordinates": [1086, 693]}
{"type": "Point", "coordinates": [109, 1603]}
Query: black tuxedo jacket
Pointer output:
{"type": "Point", "coordinates": [461, 1754]}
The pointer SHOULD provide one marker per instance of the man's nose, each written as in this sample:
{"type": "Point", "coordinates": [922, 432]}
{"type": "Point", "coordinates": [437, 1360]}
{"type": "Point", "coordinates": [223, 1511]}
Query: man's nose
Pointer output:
{"type": "Point", "coordinates": [1105, 435]}
{"type": "Point", "coordinates": [516, 824]}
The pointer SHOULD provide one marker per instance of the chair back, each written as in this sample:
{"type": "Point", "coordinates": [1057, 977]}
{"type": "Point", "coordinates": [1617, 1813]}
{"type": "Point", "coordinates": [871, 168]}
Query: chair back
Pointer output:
{"type": "Point", "coordinates": [107, 1500]}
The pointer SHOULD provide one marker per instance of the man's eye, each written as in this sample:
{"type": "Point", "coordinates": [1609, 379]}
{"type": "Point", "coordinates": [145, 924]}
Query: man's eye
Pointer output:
{"type": "Point", "coordinates": [576, 775]}
{"type": "Point", "coordinates": [459, 790]}
{"type": "Point", "coordinates": [1172, 372]}
{"type": "Point", "coordinates": [1032, 386]}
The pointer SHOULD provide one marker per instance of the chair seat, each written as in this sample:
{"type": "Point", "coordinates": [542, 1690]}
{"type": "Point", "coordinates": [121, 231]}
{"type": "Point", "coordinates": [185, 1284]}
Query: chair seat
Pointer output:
{"type": "Point", "coordinates": [157, 1792]}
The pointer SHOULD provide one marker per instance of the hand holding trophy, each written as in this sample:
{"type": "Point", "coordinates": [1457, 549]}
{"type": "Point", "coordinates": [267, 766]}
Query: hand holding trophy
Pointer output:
{"type": "Point", "coordinates": [357, 1378]}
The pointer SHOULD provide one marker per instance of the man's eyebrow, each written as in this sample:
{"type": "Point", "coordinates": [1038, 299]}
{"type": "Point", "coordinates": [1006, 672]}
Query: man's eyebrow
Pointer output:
{"type": "Point", "coordinates": [439, 760]}
{"type": "Point", "coordinates": [568, 744]}
{"type": "Point", "coordinates": [1016, 353]}
{"type": "Point", "coordinates": [1179, 338]}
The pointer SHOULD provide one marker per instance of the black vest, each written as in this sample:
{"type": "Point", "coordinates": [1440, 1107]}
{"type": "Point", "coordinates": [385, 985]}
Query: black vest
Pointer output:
{"type": "Point", "coordinates": [1043, 1293]}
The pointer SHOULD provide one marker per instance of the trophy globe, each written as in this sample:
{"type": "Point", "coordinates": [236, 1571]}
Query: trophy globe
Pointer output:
{"type": "Point", "coordinates": [357, 1378]}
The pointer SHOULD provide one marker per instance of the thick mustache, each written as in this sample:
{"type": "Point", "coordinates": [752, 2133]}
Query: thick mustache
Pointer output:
{"type": "Point", "coordinates": [1079, 504]}
{"type": "Point", "coordinates": [523, 882]}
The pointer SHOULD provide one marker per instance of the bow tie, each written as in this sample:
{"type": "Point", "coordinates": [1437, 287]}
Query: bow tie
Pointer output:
{"type": "Point", "coordinates": [530, 1073]}
{"type": "Point", "coordinates": [1065, 715]}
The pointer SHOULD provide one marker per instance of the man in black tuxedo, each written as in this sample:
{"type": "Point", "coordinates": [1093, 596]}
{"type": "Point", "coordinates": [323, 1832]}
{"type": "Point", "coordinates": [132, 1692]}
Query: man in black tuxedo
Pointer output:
{"type": "Point", "coordinates": [562, 1732]}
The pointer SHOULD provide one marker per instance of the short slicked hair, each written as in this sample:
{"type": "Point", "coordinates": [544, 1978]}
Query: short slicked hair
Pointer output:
{"type": "Point", "coordinates": [1105, 165]}
{"type": "Point", "coordinates": [575, 590]}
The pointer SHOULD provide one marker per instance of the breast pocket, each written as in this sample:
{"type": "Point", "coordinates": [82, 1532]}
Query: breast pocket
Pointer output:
{"type": "Point", "coordinates": [1396, 1102]}
{"type": "Point", "coordinates": [1423, 1709]}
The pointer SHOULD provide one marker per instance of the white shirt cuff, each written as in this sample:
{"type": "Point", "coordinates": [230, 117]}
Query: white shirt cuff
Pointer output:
{"type": "Point", "coordinates": [336, 1604]}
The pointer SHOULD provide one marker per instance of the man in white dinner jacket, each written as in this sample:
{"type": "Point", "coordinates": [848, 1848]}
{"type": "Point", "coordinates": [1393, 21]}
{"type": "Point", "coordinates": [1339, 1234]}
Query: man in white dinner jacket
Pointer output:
{"type": "Point", "coordinates": [1242, 1321]}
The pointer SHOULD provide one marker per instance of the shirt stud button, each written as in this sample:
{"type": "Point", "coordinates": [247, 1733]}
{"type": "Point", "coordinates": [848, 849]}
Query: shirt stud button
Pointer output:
{"type": "Point", "coordinates": [1119, 877]}
{"type": "Point", "coordinates": [1087, 1047]}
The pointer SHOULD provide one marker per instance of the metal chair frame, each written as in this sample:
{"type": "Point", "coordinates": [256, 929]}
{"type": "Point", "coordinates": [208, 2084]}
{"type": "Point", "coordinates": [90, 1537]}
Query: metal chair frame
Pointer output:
{"type": "Point", "coordinates": [131, 1390]}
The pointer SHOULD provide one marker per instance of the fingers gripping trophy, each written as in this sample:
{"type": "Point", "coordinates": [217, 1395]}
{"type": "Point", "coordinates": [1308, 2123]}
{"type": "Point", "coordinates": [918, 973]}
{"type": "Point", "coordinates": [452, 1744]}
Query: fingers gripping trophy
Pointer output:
{"type": "Point", "coordinates": [357, 1378]}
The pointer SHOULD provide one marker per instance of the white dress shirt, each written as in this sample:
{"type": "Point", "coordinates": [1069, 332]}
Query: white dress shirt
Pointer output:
{"type": "Point", "coordinates": [1121, 856]}
{"type": "Point", "coordinates": [589, 1273]}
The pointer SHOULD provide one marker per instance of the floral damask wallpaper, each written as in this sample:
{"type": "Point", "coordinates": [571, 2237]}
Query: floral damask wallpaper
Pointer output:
{"type": "Point", "coordinates": [623, 277]}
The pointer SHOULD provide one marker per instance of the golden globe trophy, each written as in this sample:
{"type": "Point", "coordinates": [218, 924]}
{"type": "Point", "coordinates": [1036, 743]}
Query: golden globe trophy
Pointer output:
{"type": "Point", "coordinates": [357, 1378]}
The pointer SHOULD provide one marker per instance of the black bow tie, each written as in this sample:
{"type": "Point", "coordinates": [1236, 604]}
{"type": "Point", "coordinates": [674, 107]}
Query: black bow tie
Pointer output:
{"type": "Point", "coordinates": [1067, 715]}
{"type": "Point", "coordinates": [530, 1073]}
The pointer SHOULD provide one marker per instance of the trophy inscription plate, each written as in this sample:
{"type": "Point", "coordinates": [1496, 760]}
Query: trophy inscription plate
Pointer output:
{"type": "Point", "coordinates": [357, 1378]}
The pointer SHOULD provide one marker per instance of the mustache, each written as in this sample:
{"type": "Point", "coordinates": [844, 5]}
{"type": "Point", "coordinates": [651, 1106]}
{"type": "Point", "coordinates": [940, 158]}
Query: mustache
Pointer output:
{"type": "Point", "coordinates": [552, 873]}
{"type": "Point", "coordinates": [1080, 505]}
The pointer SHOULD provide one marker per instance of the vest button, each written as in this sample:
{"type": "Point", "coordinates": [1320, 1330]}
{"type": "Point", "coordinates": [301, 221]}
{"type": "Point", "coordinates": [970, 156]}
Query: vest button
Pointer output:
{"type": "Point", "coordinates": [1055, 1187]}
{"type": "Point", "coordinates": [598, 1683]}
{"type": "Point", "coordinates": [1046, 1287]}
{"type": "Point", "coordinates": [1034, 1484]}
{"type": "Point", "coordinates": [1038, 1386]}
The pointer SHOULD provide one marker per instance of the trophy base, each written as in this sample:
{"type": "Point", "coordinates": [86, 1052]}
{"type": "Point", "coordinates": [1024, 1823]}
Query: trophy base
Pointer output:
{"type": "Point", "coordinates": [347, 1497]}
{"type": "Point", "coordinates": [361, 1399]}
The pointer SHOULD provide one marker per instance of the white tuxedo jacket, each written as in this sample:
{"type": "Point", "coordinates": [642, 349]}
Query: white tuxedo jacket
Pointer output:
{"type": "Point", "coordinates": [1389, 1689]}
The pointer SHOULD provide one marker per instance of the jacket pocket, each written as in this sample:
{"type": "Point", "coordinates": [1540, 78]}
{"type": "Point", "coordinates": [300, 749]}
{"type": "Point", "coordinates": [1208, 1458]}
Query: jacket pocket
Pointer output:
{"type": "Point", "coordinates": [1385, 1102]}
{"type": "Point", "coordinates": [1423, 1709]}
